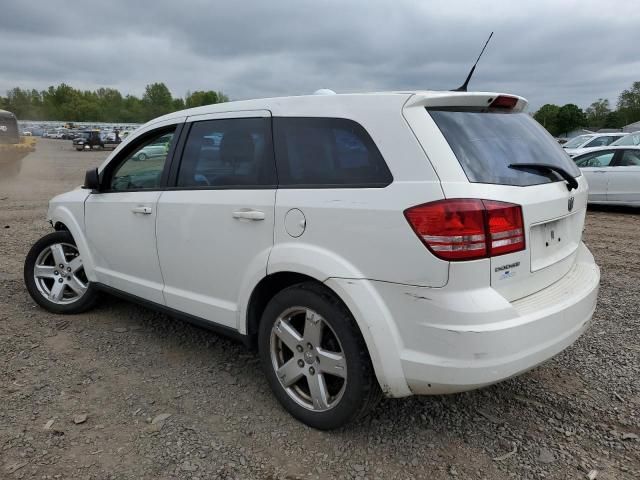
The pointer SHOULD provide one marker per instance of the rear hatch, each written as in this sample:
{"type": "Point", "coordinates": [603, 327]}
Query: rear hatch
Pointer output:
{"type": "Point", "coordinates": [473, 141]}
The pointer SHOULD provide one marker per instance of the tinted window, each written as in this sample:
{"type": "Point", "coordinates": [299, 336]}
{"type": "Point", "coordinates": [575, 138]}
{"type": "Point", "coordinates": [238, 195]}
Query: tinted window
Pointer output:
{"type": "Point", "coordinates": [595, 159]}
{"type": "Point", "coordinates": [227, 153]}
{"type": "Point", "coordinates": [601, 141]}
{"type": "Point", "coordinates": [327, 152]}
{"type": "Point", "coordinates": [486, 143]}
{"type": "Point", "coordinates": [142, 167]}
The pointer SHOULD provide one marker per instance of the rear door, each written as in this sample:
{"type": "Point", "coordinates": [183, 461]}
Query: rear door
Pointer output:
{"type": "Point", "coordinates": [624, 178]}
{"type": "Point", "coordinates": [473, 148]}
{"type": "Point", "coordinates": [215, 223]}
{"type": "Point", "coordinates": [597, 167]}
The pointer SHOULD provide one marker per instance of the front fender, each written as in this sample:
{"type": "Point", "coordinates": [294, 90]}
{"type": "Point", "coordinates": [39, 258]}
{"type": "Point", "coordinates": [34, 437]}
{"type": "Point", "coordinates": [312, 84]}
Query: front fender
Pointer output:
{"type": "Point", "coordinates": [68, 209]}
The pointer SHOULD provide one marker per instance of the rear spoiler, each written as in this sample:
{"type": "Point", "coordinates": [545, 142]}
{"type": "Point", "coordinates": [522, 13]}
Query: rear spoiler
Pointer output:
{"type": "Point", "coordinates": [467, 100]}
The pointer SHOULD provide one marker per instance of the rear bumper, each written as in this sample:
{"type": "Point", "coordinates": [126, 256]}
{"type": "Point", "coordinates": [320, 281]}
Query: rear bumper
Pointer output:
{"type": "Point", "coordinates": [455, 343]}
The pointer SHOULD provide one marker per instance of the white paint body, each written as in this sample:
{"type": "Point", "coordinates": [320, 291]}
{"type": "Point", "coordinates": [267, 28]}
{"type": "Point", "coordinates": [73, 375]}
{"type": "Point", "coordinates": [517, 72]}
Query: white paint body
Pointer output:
{"type": "Point", "coordinates": [431, 326]}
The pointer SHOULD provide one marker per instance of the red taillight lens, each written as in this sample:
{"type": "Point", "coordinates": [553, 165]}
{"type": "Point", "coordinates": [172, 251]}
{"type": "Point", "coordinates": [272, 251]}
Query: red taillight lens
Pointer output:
{"type": "Point", "coordinates": [505, 226]}
{"type": "Point", "coordinates": [504, 101]}
{"type": "Point", "coordinates": [468, 228]}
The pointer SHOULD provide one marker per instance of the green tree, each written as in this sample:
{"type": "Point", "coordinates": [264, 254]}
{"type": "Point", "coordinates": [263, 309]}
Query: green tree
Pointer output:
{"type": "Point", "coordinates": [157, 100]}
{"type": "Point", "coordinates": [629, 104]}
{"type": "Point", "coordinates": [613, 120]}
{"type": "Point", "coordinates": [570, 117]}
{"type": "Point", "coordinates": [547, 116]}
{"type": "Point", "coordinates": [63, 102]}
{"type": "Point", "coordinates": [200, 98]}
{"type": "Point", "coordinates": [597, 112]}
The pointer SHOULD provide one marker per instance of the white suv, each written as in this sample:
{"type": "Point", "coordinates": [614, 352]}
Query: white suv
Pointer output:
{"type": "Point", "coordinates": [367, 244]}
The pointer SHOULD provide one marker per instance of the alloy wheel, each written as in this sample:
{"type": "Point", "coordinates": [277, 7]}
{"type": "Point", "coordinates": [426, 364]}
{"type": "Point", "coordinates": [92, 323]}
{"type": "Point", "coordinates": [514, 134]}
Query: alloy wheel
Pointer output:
{"type": "Point", "coordinates": [308, 359]}
{"type": "Point", "coordinates": [59, 274]}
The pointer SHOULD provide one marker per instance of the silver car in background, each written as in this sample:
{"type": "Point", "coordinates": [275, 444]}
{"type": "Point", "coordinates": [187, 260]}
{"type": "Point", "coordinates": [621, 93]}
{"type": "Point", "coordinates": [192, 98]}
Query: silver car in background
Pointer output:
{"type": "Point", "coordinates": [613, 174]}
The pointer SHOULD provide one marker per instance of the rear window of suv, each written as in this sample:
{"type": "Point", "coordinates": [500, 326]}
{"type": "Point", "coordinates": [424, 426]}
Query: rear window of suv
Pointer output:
{"type": "Point", "coordinates": [486, 143]}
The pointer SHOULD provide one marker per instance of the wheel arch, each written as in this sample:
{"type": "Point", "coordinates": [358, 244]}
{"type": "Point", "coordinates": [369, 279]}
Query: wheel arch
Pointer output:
{"type": "Point", "coordinates": [375, 331]}
{"type": "Point", "coordinates": [62, 217]}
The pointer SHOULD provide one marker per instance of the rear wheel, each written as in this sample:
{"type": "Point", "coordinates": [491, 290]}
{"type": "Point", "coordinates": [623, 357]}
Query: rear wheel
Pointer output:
{"type": "Point", "coordinates": [315, 359]}
{"type": "Point", "coordinates": [55, 277]}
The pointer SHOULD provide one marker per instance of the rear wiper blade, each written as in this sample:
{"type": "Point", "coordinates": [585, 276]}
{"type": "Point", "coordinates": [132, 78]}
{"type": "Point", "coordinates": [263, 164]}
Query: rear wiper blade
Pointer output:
{"type": "Point", "coordinates": [572, 183]}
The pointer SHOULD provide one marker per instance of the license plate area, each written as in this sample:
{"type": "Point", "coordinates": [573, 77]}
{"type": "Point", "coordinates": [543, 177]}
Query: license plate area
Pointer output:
{"type": "Point", "coordinates": [553, 241]}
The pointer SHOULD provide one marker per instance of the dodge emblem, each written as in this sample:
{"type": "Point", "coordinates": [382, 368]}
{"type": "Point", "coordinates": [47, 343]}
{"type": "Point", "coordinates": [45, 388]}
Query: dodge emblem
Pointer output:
{"type": "Point", "coordinates": [570, 205]}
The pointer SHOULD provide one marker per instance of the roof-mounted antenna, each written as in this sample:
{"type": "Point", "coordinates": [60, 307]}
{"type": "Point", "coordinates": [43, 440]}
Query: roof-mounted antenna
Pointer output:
{"type": "Point", "coordinates": [463, 87]}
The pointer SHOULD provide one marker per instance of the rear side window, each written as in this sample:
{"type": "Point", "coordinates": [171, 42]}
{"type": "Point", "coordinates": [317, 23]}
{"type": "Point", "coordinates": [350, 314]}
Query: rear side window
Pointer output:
{"type": "Point", "coordinates": [601, 141]}
{"type": "Point", "coordinates": [486, 143]}
{"type": "Point", "coordinates": [229, 153]}
{"type": "Point", "coordinates": [327, 152]}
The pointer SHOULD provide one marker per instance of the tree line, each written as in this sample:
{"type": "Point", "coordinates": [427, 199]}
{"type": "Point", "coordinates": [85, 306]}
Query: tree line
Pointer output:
{"type": "Point", "coordinates": [559, 120]}
{"type": "Point", "coordinates": [65, 103]}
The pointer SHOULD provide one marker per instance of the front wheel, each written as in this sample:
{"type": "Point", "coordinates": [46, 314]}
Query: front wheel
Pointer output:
{"type": "Point", "coordinates": [54, 275]}
{"type": "Point", "coordinates": [315, 359]}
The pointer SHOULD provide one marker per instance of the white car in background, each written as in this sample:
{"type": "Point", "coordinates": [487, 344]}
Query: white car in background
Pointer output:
{"type": "Point", "coordinates": [367, 244]}
{"type": "Point", "coordinates": [613, 174]}
{"type": "Point", "coordinates": [582, 143]}
{"type": "Point", "coordinates": [629, 140]}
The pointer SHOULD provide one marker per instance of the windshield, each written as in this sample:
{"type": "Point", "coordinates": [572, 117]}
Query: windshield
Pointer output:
{"type": "Point", "coordinates": [631, 139]}
{"type": "Point", "coordinates": [577, 142]}
{"type": "Point", "coordinates": [486, 143]}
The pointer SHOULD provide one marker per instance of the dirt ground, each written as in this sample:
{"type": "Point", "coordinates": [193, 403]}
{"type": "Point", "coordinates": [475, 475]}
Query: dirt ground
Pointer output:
{"type": "Point", "coordinates": [123, 367]}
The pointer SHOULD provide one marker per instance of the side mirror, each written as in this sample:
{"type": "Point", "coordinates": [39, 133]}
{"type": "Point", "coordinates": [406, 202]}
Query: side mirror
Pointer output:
{"type": "Point", "coordinates": [92, 180]}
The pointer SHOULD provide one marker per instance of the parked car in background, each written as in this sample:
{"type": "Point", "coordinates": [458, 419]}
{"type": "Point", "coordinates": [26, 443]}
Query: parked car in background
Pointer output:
{"type": "Point", "coordinates": [629, 140]}
{"type": "Point", "coordinates": [158, 148]}
{"type": "Point", "coordinates": [89, 139]}
{"type": "Point", "coordinates": [367, 244]}
{"type": "Point", "coordinates": [582, 143]}
{"type": "Point", "coordinates": [613, 174]}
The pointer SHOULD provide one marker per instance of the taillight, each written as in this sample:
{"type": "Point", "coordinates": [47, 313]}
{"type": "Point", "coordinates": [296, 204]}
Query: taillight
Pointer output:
{"type": "Point", "coordinates": [505, 102]}
{"type": "Point", "coordinates": [468, 228]}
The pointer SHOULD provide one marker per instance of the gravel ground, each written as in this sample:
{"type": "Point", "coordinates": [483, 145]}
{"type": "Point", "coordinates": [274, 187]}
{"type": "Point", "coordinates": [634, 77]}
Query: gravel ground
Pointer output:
{"type": "Point", "coordinates": [125, 393]}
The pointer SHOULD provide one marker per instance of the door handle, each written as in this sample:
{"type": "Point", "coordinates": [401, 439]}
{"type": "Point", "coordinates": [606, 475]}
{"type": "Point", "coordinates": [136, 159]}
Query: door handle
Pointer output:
{"type": "Point", "coordinates": [248, 214]}
{"type": "Point", "coordinates": [142, 210]}
{"type": "Point", "coordinates": [599, 171]}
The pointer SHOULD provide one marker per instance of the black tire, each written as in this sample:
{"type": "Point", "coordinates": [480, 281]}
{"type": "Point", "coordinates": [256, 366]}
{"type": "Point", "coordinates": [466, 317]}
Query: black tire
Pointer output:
{"type": "Point", "coordinates": [85, 302]}
{"type": "Point", "coordinates": [361, 392]}
{"type": "Point", "coordinates": [141, 157]}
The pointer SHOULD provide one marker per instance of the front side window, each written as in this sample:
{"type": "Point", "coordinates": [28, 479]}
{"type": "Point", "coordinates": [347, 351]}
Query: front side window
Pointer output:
{"type": "Point", "coordinates": [596, 159]}
{"type": "Point", "coordinates": [228, 153]}
{"type": "Point", "coordinates": [327, 152]}
{"type": "Point", "coordinates": [487, 143]}
{"type": "Point", "coordinates": [143, 165]}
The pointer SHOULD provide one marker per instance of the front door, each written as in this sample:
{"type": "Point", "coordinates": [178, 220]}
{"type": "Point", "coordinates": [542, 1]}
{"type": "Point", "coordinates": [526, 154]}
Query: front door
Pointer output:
{"type": "Point", "coordinates": [595, 167]}
{"type": "Point", "coordinates": [215, 225]}
{"type": "Point", "coordinates": [120, 220]}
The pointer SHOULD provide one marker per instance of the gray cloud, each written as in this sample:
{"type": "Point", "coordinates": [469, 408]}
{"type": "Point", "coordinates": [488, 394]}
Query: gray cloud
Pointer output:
{"type": "Point", "coordinates": [547, 51]}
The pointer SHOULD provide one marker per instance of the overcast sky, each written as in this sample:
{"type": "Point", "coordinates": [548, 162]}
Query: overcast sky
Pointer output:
{"type": "Point", "coordinates": [555, 51]}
